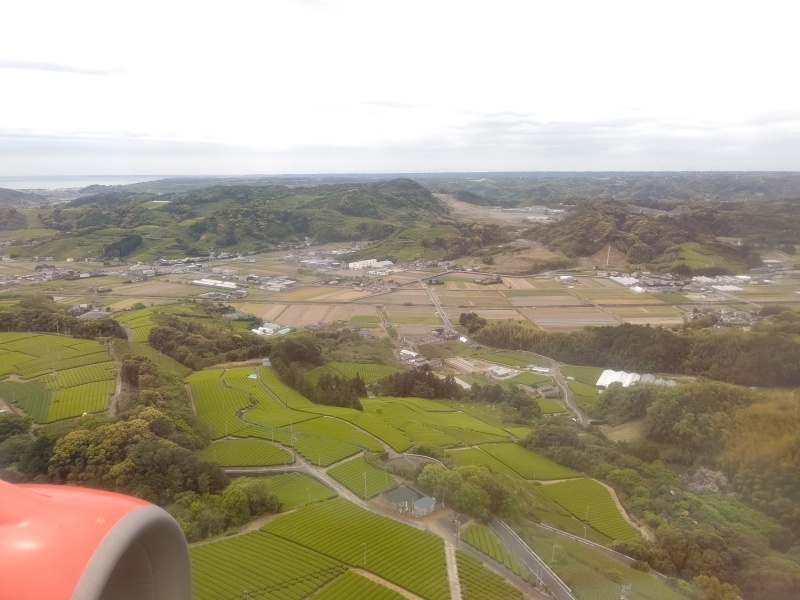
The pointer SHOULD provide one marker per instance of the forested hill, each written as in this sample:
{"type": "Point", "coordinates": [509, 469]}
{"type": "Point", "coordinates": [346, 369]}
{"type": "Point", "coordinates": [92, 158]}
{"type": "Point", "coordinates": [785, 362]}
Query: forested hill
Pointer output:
{"type": "Point", "coordinates": [654, 240]}
{"type": "Point", "coordinates": [237, 218]}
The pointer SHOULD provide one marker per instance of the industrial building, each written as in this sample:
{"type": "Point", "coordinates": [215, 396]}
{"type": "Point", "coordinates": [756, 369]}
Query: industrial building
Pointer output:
{"type": "Point", "coordinates": [215, 283]}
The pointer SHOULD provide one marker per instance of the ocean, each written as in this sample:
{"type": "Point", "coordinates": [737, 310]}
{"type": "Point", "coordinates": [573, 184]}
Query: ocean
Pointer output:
{"type": "Point", "coordinates": [57, 182]}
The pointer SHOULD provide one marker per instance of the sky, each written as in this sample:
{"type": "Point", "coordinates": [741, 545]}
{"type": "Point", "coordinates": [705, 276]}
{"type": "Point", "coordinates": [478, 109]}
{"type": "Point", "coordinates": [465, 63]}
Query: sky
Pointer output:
{"type": "Point", "coordinates": [316, 86]}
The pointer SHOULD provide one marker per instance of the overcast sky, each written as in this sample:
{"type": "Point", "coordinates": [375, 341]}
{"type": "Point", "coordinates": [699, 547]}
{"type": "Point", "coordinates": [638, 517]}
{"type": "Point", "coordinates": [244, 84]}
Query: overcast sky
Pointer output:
{"type": "Point", "coordinates": [316, 86]}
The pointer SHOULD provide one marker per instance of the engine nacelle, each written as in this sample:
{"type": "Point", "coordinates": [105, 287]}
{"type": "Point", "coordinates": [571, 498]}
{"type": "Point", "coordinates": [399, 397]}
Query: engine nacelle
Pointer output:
{"type": "Point", "coordinates": [63, 542]}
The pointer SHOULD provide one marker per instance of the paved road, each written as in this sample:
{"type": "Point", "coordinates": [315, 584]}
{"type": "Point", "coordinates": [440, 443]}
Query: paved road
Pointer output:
{"type": "Point", "coordinates": [437, 304]}
{"type": "Point", "coordinates": [523, 553]}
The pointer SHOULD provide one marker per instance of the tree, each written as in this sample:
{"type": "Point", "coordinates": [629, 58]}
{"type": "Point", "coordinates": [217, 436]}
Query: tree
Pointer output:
{"type": "Point", "coordinates": [711, 588]}
{"type": "Point", "coordinates": [12, 424]}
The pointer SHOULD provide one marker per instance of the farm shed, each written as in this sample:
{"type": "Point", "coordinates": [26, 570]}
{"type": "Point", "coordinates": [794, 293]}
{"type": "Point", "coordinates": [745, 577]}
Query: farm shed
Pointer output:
{"type": "Point", "coordinates": [409, 500]}
{"type": "Point", "coordinates": [548, 391]}
{"type": "Point", "coordinates": [500, 372]}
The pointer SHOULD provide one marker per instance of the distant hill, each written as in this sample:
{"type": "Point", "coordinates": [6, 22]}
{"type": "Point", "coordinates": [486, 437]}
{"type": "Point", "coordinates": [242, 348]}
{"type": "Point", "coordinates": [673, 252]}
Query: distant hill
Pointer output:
{"type": "Point", "coordinates": [232, 218]}
{"type": "Point", "coordinates": [16, 198]}
{"type": "Point", "coordinates": [684, 242]}
{"type": "Point", "coordinates": [656, 190]}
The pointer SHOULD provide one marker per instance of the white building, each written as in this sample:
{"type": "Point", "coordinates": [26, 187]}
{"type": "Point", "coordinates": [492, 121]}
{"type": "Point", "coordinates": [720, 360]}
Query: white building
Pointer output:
{"type": "Point", "coordinates": [627, 379]}
{"type": "Point", "coordinates": [363, 264]}
{"type": "Point", "coordinates": [215, 283]}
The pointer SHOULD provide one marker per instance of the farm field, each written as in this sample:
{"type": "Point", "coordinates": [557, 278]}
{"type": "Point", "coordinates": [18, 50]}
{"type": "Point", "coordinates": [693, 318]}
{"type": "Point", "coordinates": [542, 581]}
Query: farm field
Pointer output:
{"type": "Point", "coordinates": [140, 322]}
{"type": "Point", "coordinates": [483, 539]}
{"type": "Point", "coordinates": [585, 396]}
{"type": "Point", "coordinates": [530, 379]}
{"type": "Point", "coordinates": [396, 552]}
{"type": "Point", "coordinates": [527, 464]}
{"type": "Point", "coordinates": [337, 430]}
{"type": "Point", "coordinates": [545, 298]}
{"type": "Point", "coordinates": [158, 288]}
{"type": "Point", "coordinates": [319, 450]}
{"type": "Point", "coordinates": [462, 426]}
{"type": "Point", "coordinates": [490, 314]}
{"type": "Point", "coordinates": [479, 583]}
{"type": "Point", "coordinates": [587, 375]}
{"type": "Point", "coordinates": [352, 585]}
{"type": "Point", "coordinates": [268, 311]}
{"type": "Point", "coordinates": [616, 296]}
{"type": "Point", "coordinates": [365, 319]}
{"type": "Point", "coordinates": [567, 319]}
{"type": "Point", "coordinates": [262, 564]}
{"type": "Point", "coordinates": [466, 299]}
{"type": "Point", "coordinates": [368, 372]}
{"type": "Point", "coordinates": [595, 283]}
{"type": "Point", "coordinates": [693, 255]}
{"type": "Point", "coordinates": [300, 315]}
{"type": "Point", "coordinates": [625, 432]}
{"type": "Point", "coordinates": [413, 315]}
{"type": "Point", "coordinates": [587, 570]}
{"type": "Point", "coordinates": [358, 476]}
{"type": "Point", "coordinates": [398, 297]}
{"type": "Point", "coordinates": [296, 490]}
{"type": "Point", "coordinates": [475, 456]}
{"type": "Point", "coordinates": [550, 406]}
{"type": "Point", "coordinates": [381, 429]}
{"type": "Point", "coordinates": [67, 376]}
{"type": "Point", "coordinates": [672, 298]}
{"type": "Point", "coordinates": [588, 500]}
{"type": "Point", "coordinates": [654, 315]}
{"type": "Point", "coordinates": [245, 453]}
{"type": "Point", "coordinates": [519, 360]}
{"type": "Point", "coordinates": [519, 283]}
{"type": "Point", "coordinates": [215, 404]}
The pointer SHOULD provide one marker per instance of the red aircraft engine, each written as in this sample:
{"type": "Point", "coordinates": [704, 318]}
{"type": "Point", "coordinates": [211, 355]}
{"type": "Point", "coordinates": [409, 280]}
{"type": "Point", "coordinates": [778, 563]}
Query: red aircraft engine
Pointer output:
{"type": "Point", "coordinates": [62, 542]}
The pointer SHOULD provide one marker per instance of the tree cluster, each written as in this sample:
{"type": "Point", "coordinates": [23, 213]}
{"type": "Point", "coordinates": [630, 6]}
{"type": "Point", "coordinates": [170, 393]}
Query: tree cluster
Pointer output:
{"type": "Point", "coordinates": [419, 383]}
{"type": "Point", "coordinates": [294, 355]}
{"type": "Point", "coordinates": [43, 315]}
{"type": "Point", "coordinates": [205, 515]}
{"type": "Point", "coordinates": [732, 356]}
{"type": "Point", "coordinates": [198, 345]}
{"type": "Point", "coordinates": [122, 247]}
{"type": "Point", "coordinates": [523, 408]}
{"type": "Point", "coordinates": [474, 490]}
{"type": "Point", "coordinates": [471, 321]}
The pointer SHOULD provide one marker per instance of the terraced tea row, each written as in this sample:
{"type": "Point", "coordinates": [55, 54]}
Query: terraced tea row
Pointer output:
{"type": "Point", "coordinates": [296, 490]}
{"type": "Point", "coordinates": [369, 372]}
{"type": "Point", "coordinates": [351, 585]}
{"type": "Point", "coordinates": [527, 464]}
{"type": "Point", "coordinates": [398, 553]}
{"type": "Point", "coordinates": [245, 453]}
{"type": "Point", "coordinates": [362, 478]}
{"type": "Point", "coordinates": [589, 501]}
{"type": "Point", "coordinates": [68, 376]}
{"type": "Point", "coordinates": [260, 565]}
{"type": "Point", "coordinates": [479, 583]}
{"type": "Point", "coordinates": [78, 376]}
{"type": "Point", "coordinates": [482, 538]}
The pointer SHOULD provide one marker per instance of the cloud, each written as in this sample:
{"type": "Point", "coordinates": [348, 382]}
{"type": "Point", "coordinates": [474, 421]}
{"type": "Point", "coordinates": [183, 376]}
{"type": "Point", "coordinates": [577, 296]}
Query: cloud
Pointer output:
{"type": "Point", "coordinates": [25, 65]}
{"type": "Point", "coordinates": [390, 104]}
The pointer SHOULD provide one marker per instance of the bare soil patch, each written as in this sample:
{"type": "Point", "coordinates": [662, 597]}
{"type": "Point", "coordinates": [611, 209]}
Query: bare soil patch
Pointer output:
{"type": "Point", "coordinates": [471, 212]}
